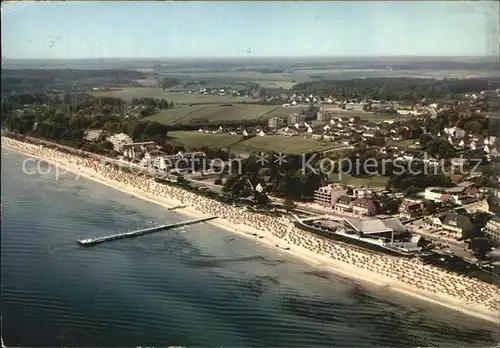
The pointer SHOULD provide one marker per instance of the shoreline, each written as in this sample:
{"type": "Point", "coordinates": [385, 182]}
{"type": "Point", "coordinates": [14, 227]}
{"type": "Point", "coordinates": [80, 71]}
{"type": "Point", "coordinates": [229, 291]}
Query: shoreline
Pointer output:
{"type": "Point", "coordinates": [306, 247]}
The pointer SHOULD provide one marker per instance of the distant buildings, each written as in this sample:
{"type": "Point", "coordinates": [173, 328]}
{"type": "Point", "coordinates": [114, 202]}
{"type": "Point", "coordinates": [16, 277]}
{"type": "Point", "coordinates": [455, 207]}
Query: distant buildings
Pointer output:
{"type": "Point", "coordinates": [354, 106]}
{"type": "Point", "coordinates": [327, 112]}
{"type": "Point", "coordinates": [295, 118]}
{"type": "Point", "coordinates": [275, 122]}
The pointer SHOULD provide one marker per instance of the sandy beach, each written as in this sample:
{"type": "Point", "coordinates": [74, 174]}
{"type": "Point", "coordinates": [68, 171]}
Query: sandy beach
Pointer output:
{"type": "Point", "coordinates": [409, 276]}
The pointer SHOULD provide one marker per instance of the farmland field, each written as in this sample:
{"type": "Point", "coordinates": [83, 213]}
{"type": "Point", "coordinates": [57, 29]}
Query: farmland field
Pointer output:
{"type": "Point", "coordinates": [174, 115]}
{"type": "Point", "coordinates": [211, 113]}
{"type": "Point", "coordinates": [280, 143]}
{"type": "Point", "coordinates": [371, 181]}
{"type": "Point", "coordinates": [215, 113]}
{"type": "Point", "coordinates": [268, 143]}
{"type": "Point", "coordinates": [405, 143]}
{"type": "Point", "coordinates": [283, 112]}
{"type": "Point", "coordinates": [198, 139]}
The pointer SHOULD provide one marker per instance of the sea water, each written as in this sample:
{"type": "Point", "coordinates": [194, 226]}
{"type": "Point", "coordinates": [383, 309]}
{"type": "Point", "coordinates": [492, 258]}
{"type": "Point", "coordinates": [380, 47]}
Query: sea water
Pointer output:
{"type": "Point", "coordinates": [193, 286]}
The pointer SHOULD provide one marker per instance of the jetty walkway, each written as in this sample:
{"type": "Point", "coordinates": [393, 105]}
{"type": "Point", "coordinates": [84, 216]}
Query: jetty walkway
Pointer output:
{"type": "Point", "coordinates": [98, 240]}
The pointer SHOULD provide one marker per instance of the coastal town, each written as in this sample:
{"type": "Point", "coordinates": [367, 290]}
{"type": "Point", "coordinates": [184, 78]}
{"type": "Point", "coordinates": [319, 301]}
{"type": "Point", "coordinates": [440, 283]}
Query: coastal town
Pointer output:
{"type": "Point", "coordinates": [435, 230]}
{"type": "Point", "coordinates": [181, 174]}
{"type": "Point", "coordinates": [407, 274]}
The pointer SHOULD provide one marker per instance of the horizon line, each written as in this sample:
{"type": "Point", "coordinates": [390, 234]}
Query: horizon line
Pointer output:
{"type": "Point", "coordinates": [259, 57]}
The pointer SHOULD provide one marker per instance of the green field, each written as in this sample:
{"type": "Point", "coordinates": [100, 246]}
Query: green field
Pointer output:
{"type": "Point", "coordinates": [238, 79]}
{"type": "Point", "coordinates": [280, 143]}
{"type": "Point", "coordinates": [196, 140]}
{"type": "Point", "coordinates": [211, 113]}
{"type": "Point", "coordinates": [175, 114]}
{"type": "Point", "coordinates": [371, 181]}
{"type": "Point", "coordinates": [268, 143]}
{"type": "Point", "coordinates": [283, 112]}
{"type": "Point", "coordinates": [406, 143]}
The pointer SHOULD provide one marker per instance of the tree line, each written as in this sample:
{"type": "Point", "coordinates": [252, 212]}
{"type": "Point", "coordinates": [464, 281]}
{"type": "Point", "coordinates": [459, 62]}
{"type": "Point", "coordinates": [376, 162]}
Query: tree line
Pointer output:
{"type": "Point", "coordinates": [36, 80]}
{"type": "Point", "coordinates": [408, 89]}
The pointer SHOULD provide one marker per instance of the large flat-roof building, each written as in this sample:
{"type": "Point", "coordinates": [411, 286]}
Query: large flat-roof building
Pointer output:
{"type": "Point", "coordinates": [327, 113]}
{"type": "Point", "coordinates": [387, 229]}
{"type": "Point", "coordinates": [295, 118]}
{"type": "Point", "coordinates": [326, 196]}
{"type": "Point", "coordinates": [275, 122]}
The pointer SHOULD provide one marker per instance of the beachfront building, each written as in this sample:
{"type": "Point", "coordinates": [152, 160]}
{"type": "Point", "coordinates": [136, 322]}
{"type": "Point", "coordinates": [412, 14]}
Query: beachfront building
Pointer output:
{"type": "Point", "coordinates": [492, 229]}
{"type": "Point", "coordinates": [387, 234]}
{"type": "Point", "coordinates": [94, 134]}
{"type": "Point", "coordinates": [435, 221]}
{"type": "Point", "coordinates": [410, 209]}
{"type": "Point", "coordinates": [457, 224]}
{"type": "Point", "coordinates": [137, 150]}
{"type": "Point", "coordinates": [343, 204]}
{"type": "Point", "coordinates": [118, 140]}
{"type": "Point", "coordinates": [364, 206]}
{"type": "Point", "coordinates": [151, 156]}
{"type": "Point", "coordinates": [389, 230]}
{"type": "Point", "coordinates": [326, 196]}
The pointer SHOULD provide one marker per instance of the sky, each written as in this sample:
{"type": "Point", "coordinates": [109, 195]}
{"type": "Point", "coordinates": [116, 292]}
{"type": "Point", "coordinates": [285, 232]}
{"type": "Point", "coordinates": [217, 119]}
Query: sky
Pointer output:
{"type": "Point", "coordinates": [70, 30]}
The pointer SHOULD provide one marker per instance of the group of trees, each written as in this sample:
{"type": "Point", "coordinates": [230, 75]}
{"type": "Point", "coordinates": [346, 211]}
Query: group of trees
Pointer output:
{"type": "Point", "coordinates": [473, 124]}
{"type": "Point", "coordinates": [436, 147]}
{"type": "Point", "coordinates": [168, 82]}
{"type": "Point", "coordinates": [411, 183]}
{"type": "Point", "coordinates": [152, 102]}
{"type": "Point", "coordinates": [286, 180]}
{"type": "Point", "coordinates": [475, 238]}
{"type": "Point", "coordinates": [39, 80]}
{"type": "Point", "coordinates": [57, 118]}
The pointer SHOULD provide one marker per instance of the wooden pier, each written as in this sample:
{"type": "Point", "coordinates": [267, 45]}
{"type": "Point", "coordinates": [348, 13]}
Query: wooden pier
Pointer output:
{"type": "Point", "coordinates": [93, 241]}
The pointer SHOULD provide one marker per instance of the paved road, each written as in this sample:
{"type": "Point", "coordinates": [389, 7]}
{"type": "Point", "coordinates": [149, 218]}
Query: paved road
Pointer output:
{"type": "Point", "coordinates": [335, 149]}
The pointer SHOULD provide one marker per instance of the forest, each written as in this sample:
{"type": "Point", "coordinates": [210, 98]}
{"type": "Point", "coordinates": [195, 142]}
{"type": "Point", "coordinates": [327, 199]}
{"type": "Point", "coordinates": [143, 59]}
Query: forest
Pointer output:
{"type": "Point", "coordinates": [400, 89]}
